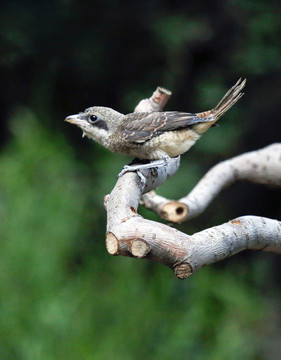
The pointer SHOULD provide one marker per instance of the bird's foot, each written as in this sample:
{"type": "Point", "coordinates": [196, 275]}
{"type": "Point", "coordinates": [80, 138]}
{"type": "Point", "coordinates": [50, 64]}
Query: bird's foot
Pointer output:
{"type": "Point", "coordinates": [138, 167]}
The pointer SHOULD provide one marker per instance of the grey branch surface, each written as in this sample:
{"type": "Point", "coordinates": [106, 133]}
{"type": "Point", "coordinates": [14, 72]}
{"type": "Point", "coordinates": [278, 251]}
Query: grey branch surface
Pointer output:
{"type": "Point", "coordinates": [261, 166]}
{"type": "Point", "coordinates": [129, 234]}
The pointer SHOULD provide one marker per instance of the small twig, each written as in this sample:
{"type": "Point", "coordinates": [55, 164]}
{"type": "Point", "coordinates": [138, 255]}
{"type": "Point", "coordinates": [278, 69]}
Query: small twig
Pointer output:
{"type": "Point", "coordinates": [261, 166]}
{"type": "Point", "coordinates": [173, 211]}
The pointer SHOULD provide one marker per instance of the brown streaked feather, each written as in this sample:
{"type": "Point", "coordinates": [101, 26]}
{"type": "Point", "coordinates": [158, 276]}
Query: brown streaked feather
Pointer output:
{"type": "Point", "coordinates": [140, 127]}
{"type": "Point", "coordinates": [204, 114]}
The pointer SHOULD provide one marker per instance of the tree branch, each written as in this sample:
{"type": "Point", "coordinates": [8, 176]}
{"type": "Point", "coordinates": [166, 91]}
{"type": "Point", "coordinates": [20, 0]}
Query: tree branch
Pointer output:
{"type": "Point", "coordinates": [129, 234]}
{"type": "Point", "coordinates": [156, 102]}
{"type": "Point", "coordinates": [261, 166]}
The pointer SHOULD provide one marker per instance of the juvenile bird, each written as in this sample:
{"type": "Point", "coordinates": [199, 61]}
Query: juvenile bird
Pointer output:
{"type": "Point", "coordinates": [154, 135]}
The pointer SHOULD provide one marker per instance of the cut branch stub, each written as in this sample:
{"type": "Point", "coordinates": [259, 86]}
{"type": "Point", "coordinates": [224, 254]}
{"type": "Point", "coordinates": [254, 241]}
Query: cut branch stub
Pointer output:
{"type": "Point", "coordinates": [111, 243]}
{"type": "Point", "coordinates": [183, 270]}
{"type": "Point", "coordinates": [139, 248]}
{"type": "Point", "coordinates": [161, 96]}
{"type": "Point", "coordinates": [174, 211]}
{"type": "Point", "coordinates": [156, 102]}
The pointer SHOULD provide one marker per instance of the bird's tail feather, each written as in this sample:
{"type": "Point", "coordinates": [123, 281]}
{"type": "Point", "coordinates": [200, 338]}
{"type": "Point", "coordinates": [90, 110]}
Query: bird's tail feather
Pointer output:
{"type": "Point", "coordinates": [229, 99]}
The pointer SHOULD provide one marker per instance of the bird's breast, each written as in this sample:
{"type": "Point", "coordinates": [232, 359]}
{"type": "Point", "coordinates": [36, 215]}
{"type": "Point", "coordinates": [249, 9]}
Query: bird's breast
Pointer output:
{"type": "Point", "coordinates": [171, 143]}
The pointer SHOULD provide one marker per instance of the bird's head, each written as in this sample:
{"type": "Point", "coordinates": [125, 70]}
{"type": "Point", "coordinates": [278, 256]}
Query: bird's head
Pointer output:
{"type": "Point", "coordinates": [97, 122]}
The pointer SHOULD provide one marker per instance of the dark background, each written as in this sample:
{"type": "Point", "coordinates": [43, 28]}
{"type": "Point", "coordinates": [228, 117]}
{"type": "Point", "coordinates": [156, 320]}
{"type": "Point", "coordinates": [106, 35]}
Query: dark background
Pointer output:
{"type": "Point", "coordinates": [62, 296]}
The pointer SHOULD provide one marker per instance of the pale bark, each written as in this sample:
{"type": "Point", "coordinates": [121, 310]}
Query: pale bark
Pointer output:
{"type": "Point", "coordinates": [156, 102]}
{"type": "Point", "coordinates": [261, 166]}
{"type": "Point", "coordinates": [129, 234]}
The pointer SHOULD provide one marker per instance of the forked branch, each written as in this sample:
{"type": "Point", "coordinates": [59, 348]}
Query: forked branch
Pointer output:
{"type": "Point", "coordinates": [261, 166]}
{"type": "Point", "coordinates": [129, 234]}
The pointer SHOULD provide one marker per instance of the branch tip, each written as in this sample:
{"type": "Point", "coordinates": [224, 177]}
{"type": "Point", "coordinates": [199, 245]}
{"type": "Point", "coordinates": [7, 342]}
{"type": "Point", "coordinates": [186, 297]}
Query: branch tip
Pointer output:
{"type": "Point", "coordinates": [164, 91]}
{"type": "Point", "coordinates": [183, 271]}
{"type": "Point", "coordinates": [174, 211]}
{"type": "Point", "coordinates": [139, 248]}
{"type": "Point", "coordinates": [111, 243]}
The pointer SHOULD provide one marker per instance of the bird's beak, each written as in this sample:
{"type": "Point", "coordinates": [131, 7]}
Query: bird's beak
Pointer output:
{"type": "Point", "coordinates": [73, 119]}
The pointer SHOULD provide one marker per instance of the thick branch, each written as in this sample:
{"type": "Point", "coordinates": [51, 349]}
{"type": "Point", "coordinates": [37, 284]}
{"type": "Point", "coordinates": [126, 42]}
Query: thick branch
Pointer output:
{"type": "Point", "coordinates": [128, 234]}
{"type": "Point", "coordinates": [261, 166]}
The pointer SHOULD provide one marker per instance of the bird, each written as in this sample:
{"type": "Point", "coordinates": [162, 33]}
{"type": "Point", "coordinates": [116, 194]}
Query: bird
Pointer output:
{"type": "Point", "coordinates": [154, 137]}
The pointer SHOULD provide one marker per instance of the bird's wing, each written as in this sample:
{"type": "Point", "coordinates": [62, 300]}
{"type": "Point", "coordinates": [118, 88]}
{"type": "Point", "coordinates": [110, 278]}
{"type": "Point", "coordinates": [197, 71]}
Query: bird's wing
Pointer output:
{"type": "Point", "coordinates": [140, 127]}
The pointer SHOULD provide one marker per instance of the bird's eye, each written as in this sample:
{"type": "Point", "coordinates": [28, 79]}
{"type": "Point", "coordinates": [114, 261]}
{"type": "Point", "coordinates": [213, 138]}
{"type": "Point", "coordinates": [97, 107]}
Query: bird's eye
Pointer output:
{"type": "Point", "coordinates": [92, 118]}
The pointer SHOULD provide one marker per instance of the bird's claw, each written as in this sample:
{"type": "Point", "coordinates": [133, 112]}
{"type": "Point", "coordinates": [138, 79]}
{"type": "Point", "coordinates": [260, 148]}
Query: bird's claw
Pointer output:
{"type": "Point", "coordinates": [128, 168]}
{"type": "Point", "coordinates": [150, 165]}
{"type": "Point", "coordinates": [124, 171]}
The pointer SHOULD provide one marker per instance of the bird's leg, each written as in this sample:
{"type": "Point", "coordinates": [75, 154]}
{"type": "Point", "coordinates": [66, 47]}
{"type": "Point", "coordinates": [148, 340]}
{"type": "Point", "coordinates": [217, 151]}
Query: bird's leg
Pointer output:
{"type": "Point", "coordinates": [150, 165]}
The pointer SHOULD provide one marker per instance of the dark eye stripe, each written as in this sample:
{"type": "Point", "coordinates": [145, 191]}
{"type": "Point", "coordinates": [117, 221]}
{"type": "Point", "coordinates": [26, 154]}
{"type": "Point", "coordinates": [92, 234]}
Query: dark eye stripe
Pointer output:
{"type": "Point", "coordinates": [101, 124]}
